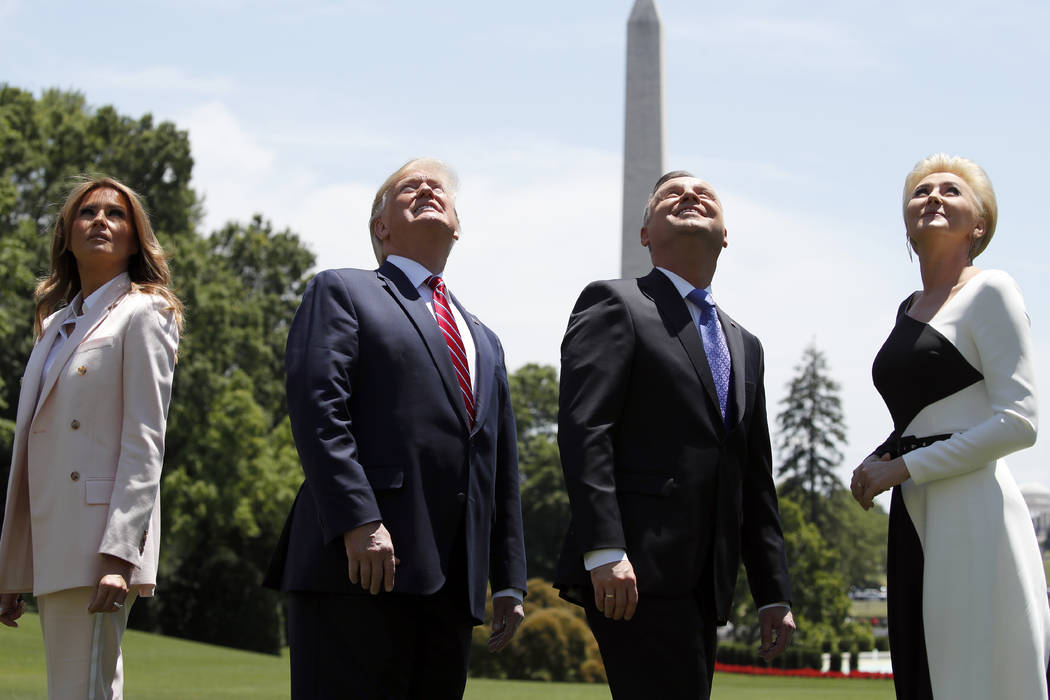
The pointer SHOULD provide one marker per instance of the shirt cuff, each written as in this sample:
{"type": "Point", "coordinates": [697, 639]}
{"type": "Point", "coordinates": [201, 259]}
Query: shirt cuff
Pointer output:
{"type": "Point", "coordinates": [776, 605]}
{"type": "Point", "coordinates": [600, 557]}
{"type": "Point", "coordinates": [515, 593]}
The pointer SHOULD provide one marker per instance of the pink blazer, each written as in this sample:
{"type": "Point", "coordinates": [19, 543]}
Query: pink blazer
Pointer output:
{"type": "Point", "coordinates": [88, 448]}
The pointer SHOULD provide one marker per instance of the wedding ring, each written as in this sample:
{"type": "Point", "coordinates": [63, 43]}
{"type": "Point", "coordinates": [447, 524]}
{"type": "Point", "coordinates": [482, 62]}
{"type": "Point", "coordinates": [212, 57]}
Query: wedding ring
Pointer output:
{"type": "Point", "coordinates": [610, 595]}
{"type": "Point", "coordinates": [117, 605]}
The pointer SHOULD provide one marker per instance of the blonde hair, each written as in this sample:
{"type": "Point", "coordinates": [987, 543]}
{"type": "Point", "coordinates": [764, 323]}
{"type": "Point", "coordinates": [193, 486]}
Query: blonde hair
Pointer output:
{"type": "Point", "coordinates": [147, 268]}
{"type": "Point", "coordinates": [383, 194]}
{"type": "Point", "coordinates": [973, 175]}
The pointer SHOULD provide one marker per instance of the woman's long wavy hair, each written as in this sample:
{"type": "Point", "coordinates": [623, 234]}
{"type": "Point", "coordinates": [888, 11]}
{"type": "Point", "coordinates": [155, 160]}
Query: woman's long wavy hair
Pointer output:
{"type": "Point", "coordinates": [147, 268]}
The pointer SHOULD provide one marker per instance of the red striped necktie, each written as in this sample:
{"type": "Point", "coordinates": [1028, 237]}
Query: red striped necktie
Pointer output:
{"type": "Point", "coordinates": [447, 323]}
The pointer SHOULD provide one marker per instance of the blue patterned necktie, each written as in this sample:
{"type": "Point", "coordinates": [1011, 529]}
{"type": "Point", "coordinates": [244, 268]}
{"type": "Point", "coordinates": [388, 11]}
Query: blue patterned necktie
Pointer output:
{"type": "Point", "coordinates": [714, 344]}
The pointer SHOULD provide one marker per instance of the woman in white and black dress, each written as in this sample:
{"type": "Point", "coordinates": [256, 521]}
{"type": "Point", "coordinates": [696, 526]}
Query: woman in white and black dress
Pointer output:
{"type": "Point", "coordinates": [967, 593]}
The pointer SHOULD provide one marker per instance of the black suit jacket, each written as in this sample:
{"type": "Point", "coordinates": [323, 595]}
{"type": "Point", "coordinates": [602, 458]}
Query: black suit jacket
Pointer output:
{"type": "Point", "coordinates": [382, 434]}
{"type": "Point", "coordinates": [649, 464]}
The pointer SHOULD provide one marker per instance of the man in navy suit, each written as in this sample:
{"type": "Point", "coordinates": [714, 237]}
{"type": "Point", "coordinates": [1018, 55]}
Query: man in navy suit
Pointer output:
{"type": "Point", "coordinates": [665, 449]}
{"type": "Point", "coordinates": [400, 409]}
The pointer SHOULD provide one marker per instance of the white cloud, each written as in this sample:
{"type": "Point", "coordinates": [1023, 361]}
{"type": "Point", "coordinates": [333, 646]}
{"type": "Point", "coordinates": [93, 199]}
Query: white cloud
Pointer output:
{"type": "Point", "coordinates": [333, 222]}
{"type": "Point", "coordinates": [232, 169]}
{"type": "Point", "coordinates": [816, 43]}
{"type": "Point", "coordinates": [158, 78]}
{"type": "Point", "coordinates": [9, 7]}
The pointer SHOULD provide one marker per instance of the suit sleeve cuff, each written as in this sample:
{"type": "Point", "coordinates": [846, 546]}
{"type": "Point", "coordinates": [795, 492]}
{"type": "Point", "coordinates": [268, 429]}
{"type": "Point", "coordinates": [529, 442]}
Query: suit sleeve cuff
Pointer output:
{"type": "Point", "coordinates": [515, 593]}
{"type": "Point", "coordinates": [775, 605]}
{"type": "Point", "coordinates": [600, 557]}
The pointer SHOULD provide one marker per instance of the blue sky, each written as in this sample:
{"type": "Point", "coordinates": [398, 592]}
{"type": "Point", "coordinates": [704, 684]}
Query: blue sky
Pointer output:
{"type": "Point", "coordinates": [804, 116]}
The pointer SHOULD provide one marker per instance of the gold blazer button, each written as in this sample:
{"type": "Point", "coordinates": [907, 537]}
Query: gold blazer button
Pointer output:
{"type": "Point", "coordinates": [81, 370]}
{"type": "Point", "coordinates": [74, 476]}
{"type": "Point", "coordinates": [75, 425]}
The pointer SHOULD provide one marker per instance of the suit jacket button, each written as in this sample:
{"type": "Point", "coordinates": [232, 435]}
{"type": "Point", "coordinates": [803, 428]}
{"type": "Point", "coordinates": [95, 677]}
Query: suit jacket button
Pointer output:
{"type": "Point", "coordinates": [461, 497]}
{"type": "Point", "coordinates": [81, 370]}
{"type": "Point", "coordinates": [74, 476]}
{"type": "Point", "coordinates": [75, 425]}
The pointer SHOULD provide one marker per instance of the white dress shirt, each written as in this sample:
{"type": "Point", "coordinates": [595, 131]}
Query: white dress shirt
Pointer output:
{"type": "Point", "coordinates": [73, 313]}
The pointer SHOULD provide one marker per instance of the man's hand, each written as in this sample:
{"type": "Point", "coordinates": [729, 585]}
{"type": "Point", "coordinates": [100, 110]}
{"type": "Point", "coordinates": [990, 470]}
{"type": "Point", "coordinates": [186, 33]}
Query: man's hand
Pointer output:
{"type": "Point", "coordinates": [615, 589]}
{"type": "Point", "coordinates": [507, 614]}
{"type": "Point", "coordinates": [112, 588]}
{"type": "Point", "coordinates": [11, 608]}
{"type": "Point", "coordinates": [875, 475]}
{"type": "Point", "coordinates": [776, 618]}
{"type": "Point", "coordinates": [370, 553]}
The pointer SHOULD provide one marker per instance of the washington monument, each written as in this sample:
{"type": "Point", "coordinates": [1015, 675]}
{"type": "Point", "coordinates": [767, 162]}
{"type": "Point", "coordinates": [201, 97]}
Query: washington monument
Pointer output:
{"type": "Point", "coordinates": [643, 143]}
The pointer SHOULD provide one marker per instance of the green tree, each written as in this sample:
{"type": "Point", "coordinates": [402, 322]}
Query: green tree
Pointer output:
{"type": "Point", "coordinates": [858, 539]}
{"type": "Point", "coordinates": [231, 466]}
{"type": "Point", "coordinates": [544, 501]}
{"type": "Point", "coordinates": [810, 429]}
{"type": "Point", "coordinates": [819, 602]}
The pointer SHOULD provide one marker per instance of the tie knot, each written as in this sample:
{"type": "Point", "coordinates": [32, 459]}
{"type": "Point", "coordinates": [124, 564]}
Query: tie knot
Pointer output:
{"type": "Point", "coordinates": [702, 298]}
{"type": "Point", "coordinates": [435, 281]}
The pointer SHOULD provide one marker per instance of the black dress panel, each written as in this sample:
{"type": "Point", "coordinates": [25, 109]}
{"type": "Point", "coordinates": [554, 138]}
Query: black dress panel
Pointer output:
{"type": "Point", "coordinates": [915, 367]}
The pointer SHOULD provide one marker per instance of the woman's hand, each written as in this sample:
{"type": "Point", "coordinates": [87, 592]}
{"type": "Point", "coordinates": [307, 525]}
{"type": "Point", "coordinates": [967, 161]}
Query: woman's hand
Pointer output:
{"type": "Point", "coordinates": [11, 608]}
{"type": "Point", "coordinates": [112, 587]}
{"type": "Point", "coordinates": [875, 475]}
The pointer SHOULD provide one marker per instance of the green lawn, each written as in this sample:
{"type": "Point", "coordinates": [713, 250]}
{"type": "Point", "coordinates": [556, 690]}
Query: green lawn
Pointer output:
{"type": "Point", "coordinates": [161, 668]}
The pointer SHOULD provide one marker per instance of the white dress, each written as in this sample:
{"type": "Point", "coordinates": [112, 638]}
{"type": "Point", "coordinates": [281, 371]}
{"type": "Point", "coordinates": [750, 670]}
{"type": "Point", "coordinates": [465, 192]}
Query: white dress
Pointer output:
{"type": "Point", "coordinates": [968, 373]}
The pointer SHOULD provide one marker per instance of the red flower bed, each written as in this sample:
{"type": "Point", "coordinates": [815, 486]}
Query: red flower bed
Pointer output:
{"type": "Point", "coordinates": [796, 672]}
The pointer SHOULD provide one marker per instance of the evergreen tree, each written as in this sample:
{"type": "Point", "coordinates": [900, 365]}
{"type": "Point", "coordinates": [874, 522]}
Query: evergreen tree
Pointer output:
{"type": "Point", "coordinates": [810, 429]}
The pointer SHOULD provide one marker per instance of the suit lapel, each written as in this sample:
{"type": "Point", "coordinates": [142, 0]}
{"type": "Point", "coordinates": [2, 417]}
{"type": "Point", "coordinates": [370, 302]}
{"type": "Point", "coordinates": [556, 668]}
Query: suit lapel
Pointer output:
{"type": "Point", "coordinates": [676, 316]}
{"type": "Point", "coordinates": [735, 341]}
{"type": "Point", "coordinates": [29, 395]}
{"type": "Point", "coordinates": [484, 363]}
{"type": "Point", "coordinates": [87, 323]}
{"type": "Point", "coordinates": [407, 296]}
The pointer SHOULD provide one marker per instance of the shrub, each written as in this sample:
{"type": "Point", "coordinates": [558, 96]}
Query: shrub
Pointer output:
{"type": "Point", "coordinates": [552, 644]}
{"type": "Point", "coordinates": [882, 643]}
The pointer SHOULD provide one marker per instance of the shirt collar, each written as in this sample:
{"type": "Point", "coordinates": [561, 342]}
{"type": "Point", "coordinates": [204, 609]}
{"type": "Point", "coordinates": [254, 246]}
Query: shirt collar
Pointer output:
{"type": "Point", "coordinates": [85, 305]}
{"type": "Point", "coordinates": [680, 284]}
{"type": "Point", "coordinates": [414, 271]}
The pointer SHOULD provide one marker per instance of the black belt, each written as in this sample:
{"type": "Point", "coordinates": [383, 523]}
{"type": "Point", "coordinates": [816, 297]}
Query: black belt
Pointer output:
{"type": "Point", "coordinates": [908, 443]}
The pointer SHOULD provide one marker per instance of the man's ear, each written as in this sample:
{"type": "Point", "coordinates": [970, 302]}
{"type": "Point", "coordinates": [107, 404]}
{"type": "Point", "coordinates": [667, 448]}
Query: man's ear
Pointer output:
{"type": "Point", "coordinates": [725, 238]}
{"type": "Point", "coordinates": [644, 236]}
{"type": "Point", "coordinates": [380, 230]}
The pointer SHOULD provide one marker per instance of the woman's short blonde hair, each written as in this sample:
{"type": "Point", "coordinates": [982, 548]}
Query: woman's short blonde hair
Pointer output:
{"type": "Point", "coordinates": [383, 194]}
{"type": "Point", "coordinates": [973, 175]}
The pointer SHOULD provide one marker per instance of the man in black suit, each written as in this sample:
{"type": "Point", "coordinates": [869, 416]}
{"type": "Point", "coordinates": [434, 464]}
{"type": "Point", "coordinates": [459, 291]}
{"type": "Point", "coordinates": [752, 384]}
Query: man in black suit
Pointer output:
{"type": "Point", "coordinates": [665, 448]}
{"type": "Point", "coordinates": [400, 410]}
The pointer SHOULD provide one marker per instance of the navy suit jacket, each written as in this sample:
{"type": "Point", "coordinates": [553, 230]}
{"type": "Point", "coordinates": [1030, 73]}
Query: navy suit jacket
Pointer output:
{"type": "Point", "coordinates": [649, 464]}
{"type": "Point", "coordinates": [382, 434]}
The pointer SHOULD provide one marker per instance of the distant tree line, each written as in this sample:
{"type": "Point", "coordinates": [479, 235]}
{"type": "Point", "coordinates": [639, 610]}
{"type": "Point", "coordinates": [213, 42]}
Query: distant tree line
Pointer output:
{"type": "Point", "coordinates": [231, 469]}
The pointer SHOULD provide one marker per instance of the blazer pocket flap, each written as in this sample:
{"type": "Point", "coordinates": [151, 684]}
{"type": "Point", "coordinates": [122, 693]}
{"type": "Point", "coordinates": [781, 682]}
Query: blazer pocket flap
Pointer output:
{"type": "Point", "coordinates": [93, 343]}
{"type": "Point", "coordinates": [97, 491]}
{"type": "Point", "coordinates": [649, 484]}
{"type": "Point", "coordinates": [381, 479]}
